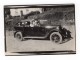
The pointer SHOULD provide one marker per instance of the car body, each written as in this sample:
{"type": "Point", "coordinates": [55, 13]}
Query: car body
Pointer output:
{"type": "Point", "coordinates": [41, 29]}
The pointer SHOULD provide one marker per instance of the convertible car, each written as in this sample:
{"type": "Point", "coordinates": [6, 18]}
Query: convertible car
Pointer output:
{"type": "Point", "coordinates": [40, 29]}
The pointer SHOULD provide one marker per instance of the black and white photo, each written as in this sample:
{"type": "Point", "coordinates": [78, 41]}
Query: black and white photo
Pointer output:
{"type": "Point", "coordinates": [40, 29]}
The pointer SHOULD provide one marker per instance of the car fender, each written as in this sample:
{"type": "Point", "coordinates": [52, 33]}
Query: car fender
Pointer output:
{"type": "Point", "coordinates": [53, 30]}
{"type": "Point", "coordinates": [16, 32]}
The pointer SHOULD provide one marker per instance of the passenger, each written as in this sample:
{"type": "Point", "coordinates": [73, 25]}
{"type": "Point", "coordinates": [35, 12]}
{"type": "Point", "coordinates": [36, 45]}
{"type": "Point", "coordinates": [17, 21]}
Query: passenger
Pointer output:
{"type": "Point", "coordinates": [34, 23]}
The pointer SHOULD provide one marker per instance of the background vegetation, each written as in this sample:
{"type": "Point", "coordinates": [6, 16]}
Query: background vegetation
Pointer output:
{"type": "Point", "coordinates": [55, 16]}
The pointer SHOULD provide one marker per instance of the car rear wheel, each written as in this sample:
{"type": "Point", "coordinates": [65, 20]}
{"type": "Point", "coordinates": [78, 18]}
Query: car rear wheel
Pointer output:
{"type": "Point", "coordinates": [56, 37]}
{"type": "Point", "coordinates": [19, 36]}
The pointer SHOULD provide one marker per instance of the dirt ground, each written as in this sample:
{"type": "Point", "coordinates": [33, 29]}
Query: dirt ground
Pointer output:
{"type": "Point", "coordinates": [14, 45]}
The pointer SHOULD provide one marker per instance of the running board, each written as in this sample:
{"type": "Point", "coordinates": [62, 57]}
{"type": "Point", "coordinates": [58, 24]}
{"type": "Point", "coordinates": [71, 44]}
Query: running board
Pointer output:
{"type": "Point", "coordinates": [34, 37]}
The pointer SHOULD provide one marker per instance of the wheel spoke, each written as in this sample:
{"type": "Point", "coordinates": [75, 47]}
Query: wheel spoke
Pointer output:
{"type": "Point", "coordinates": [55, 38]}
{"type": "Point", "coordinates": [19, 36]}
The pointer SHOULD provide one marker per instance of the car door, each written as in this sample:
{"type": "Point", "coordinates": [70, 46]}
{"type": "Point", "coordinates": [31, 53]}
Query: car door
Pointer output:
{"type": "Point", "coordinates": [28, 30]}
{"type": "Point", "coordinates": [38, 31]}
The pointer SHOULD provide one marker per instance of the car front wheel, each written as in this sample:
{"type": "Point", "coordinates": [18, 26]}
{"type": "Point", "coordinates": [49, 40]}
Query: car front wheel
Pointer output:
{"type": "Point", "coordinates": [56, 37]}
{"type": "Point", "coordinates": [19, 36]}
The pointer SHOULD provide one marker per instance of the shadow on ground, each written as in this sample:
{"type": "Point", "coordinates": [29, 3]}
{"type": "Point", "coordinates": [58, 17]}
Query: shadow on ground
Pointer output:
{"type": "Point", "coordinates": [47, 39]}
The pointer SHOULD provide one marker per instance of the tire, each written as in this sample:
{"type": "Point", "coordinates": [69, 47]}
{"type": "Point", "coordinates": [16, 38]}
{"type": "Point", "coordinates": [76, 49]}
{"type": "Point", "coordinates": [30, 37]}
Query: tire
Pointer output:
{"type": "Point", "coordinates": [56, 37]}
{"type": "Point", "coordinates": [19, 36]}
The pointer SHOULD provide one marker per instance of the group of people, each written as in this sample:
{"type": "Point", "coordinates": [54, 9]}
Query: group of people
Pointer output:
{"type": "Point", "coordinates": [34, 23]}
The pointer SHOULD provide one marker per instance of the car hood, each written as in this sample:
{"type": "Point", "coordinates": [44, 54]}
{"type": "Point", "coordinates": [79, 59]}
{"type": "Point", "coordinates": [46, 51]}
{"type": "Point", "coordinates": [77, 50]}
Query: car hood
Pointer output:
{"type": "Point", "coordinates": [48, 26]}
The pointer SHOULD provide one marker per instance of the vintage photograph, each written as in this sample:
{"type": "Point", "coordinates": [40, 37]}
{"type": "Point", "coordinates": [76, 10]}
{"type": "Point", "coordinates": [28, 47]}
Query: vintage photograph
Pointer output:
{"type": "Point", "coordinates": [45, 29]}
